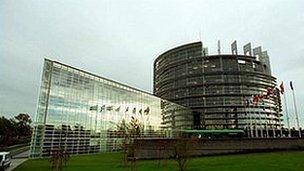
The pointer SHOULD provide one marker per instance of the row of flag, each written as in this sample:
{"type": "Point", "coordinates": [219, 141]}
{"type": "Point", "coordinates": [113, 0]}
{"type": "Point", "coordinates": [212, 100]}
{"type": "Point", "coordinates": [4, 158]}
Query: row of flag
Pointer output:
{"type": "Point", "coordinates": [111, 108]}
{"type": "Point", "coordinates": [256, 98]}
{"type": "Point", "coordinates": [283, 89]}
{"type": "Point", "coordinates": [271, 92]}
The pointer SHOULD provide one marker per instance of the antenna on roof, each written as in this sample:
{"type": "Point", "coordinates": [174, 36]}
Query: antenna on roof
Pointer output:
{"type": "Point", "coordinates": [203, 49]}
{"type": "Point", "coordinates": [234, 48]}
{"type": "Point", "coordinates": [219, 47]}
{"type": "Point", "coordinates": [247, 49]}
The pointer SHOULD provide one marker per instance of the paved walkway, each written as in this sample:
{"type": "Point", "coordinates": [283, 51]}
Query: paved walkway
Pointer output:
{"type": "Point", "coordinates": [17, 160]}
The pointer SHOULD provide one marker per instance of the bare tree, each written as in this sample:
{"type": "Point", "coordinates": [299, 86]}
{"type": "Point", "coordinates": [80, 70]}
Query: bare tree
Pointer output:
{"type": "Point", "coordinates": [135, 131]}
{"type": "Point", "coordinates": [59, 159]}
{"type": "Point", "coordinates": [182, 148]}
{"type": "Point", "coordinates": [123, 132]}
{"type": "Point", "coordinates": [129, 132]}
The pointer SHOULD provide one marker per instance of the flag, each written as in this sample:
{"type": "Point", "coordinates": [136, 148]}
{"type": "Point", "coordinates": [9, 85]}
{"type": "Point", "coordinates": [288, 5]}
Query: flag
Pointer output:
{"type": "Point", "coordinates": [282, 90]}
{"type": "Point", "coordinates": [94, 107]}
{"type": "Point", "coordinates": [256, 99]}
{"type": "Point", "coordinates": [134, 110]}
{"type": "Point", "coordinates": [291, 86]}
{"type": "Point", "coordinates": [146, 111]}
{"type": "Point", "coordinates": [261, 96]}
{"type": "Point", "coordinates": [277, 91]}
{"type": "Point", "coordinates": [269, 91]}
{"type": "Point", "coordinates": [109, 108]}
{"type": "Point", "coordinates": [102, 108]}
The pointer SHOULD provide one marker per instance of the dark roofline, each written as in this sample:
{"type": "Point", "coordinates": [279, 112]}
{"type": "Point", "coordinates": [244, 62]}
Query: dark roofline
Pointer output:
{"type": "Point", "coordinates": [177, 47]}
{"type": "Point", "coordinates": [201, 44]}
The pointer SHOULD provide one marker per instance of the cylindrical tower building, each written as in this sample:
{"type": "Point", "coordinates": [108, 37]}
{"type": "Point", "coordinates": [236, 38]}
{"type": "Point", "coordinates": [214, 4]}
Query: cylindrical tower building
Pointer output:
{"type": "Point", "coordinates": [220, 88]}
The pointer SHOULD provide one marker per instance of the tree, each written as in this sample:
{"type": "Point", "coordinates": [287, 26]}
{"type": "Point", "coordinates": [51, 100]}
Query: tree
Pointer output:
{"type": "Point", "coordinates": [135, 130]}
{"type": "Point", "coordinates": [23, 124]}
{"type": "Point", "coordinates": [135, 127]}
{"type": "Point", "coordinates": [8, 131]}
{"type": "Point", "coordinates": [15, 130]}
{"type": "Point", "coordinates": [182, 151]}
{"type": "Point", "coordinates": [23, 118]}
{"type": "Point", "coordinates": [123, 132]}
{"type": "Point", "coordinates": [59, 159]}
{"type": "Point", "coordinates": [128, 132]}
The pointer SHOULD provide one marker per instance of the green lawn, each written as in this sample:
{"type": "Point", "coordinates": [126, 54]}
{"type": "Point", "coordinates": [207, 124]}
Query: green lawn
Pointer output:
{"type": "Point", "coordinates": [285, 161]}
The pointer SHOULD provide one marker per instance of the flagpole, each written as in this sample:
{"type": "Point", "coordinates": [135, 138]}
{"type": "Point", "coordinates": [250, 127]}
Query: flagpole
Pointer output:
{"type": "Point", "coordinates": [255, 123]}
{"type": "Point", "coordinates": [296, 111]}
{"type": "Point", "coordinates": [281, 127]}
{"type": "Point", "coordinates": [266, 121]}
{"type": "Point", "coordinates": [277, 90]}
{"type": "Point", "coordinates": [287, 115]}
{"type": "Point", "coordinates": [250, 119]}
{"type": "Point", "coordinates": [251, 130]}
{"type": "Point", "coordinates": [245, 107]}
{"type": "Point", "coordinates": [261, 122]}
{"type": "Point", "coordinates": [248, 126]}
{"type": "Point", "coordinates": [256, 129]}
{"type": "Point", "coordinates": [96, 117]}
{"type": "Point", "coordinates": [267, 134]}
{"type": "Point", "coordinates": [273, 127]}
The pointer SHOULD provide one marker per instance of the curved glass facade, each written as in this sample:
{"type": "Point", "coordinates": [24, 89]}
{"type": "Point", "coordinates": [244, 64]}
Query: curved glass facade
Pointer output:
{"type": "Point", "coordinates": [80, 111]}
{"type": "Point", "coordinates": [216, 87]}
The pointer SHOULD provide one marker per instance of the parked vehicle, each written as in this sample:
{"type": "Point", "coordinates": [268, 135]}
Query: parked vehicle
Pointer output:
{"type": "Point", "coordinates": [5, 160]}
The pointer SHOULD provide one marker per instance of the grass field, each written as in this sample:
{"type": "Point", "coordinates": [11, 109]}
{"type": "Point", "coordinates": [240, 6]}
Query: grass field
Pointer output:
{"type": "Point", "coordinates": [276, 161]}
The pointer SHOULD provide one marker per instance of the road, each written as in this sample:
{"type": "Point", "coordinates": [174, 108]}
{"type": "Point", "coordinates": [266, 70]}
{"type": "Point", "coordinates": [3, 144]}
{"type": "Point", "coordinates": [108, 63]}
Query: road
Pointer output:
{"type": "Point", "coordinates": [17, 160]}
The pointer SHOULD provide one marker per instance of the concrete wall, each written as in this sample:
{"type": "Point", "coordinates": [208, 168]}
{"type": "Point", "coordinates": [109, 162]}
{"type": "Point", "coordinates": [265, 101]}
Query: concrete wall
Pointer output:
{"type": "Point", "coordinates": [163, 148]}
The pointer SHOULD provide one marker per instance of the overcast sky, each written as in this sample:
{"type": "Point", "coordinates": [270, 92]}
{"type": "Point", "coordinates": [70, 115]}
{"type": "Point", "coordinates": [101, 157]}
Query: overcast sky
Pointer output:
{"type": "Point", "coordinates": [120, 39]}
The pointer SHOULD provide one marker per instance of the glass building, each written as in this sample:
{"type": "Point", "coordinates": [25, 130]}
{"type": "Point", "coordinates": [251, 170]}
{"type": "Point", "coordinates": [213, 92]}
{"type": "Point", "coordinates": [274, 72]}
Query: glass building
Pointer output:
{"type": "Point", "coordinates": [80, 112]}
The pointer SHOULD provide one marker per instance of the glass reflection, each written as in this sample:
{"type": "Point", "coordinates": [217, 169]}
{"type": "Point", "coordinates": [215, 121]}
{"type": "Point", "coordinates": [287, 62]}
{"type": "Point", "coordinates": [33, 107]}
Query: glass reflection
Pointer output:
{"type": "Point", "coordinates": [80, 112]}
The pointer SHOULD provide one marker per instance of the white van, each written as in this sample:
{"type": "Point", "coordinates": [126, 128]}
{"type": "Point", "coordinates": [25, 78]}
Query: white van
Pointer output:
{"type": "Point", "coordinates": [5, 160]}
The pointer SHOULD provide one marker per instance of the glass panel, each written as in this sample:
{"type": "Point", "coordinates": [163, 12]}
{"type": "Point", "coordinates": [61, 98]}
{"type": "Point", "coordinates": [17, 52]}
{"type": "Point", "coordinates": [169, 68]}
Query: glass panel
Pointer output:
{"type": "Point", "coordinates": [81, 112]}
